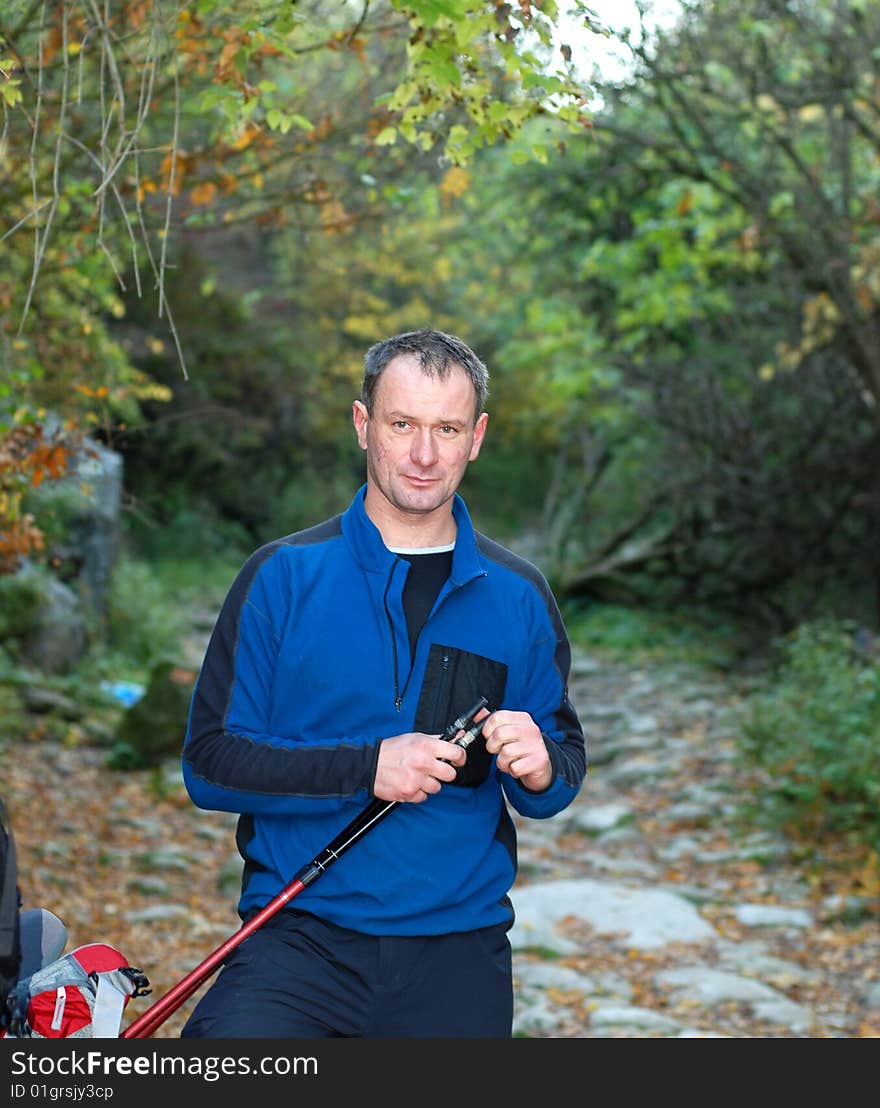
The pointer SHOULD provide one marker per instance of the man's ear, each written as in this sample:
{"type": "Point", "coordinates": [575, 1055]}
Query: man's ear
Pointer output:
{"type": "Point", "coordinates": [479, 435]}
{"type": "Point", "coordinates": [360, 418]}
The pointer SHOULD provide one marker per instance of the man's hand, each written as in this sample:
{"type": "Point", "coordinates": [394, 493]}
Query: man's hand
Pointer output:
{"type": "Point", "coordinates": [412, 766]}
{"type": "Point", "coordinates": [519, 744]}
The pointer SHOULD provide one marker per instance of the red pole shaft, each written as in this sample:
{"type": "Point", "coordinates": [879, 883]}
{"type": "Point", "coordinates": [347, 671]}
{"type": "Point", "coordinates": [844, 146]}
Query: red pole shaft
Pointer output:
{"type": "Point", "coordinates": [157, 1013]}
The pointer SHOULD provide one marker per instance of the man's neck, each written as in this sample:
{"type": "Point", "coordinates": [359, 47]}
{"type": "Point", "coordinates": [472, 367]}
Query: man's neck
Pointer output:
{"type": "Point", "coordinates": [412, 531]}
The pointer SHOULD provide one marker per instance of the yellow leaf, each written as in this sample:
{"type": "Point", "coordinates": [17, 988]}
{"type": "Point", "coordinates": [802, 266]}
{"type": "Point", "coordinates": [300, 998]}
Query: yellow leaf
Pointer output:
{"type": "Point", "coordinates": [809, 113]}
{"type": "Point", "coordinates": [456, 181]}
{"type": "Point", "coordinates": [246, 137]}
{"type": "Point", "coordinates": [203, 194]}
{"type": "Point", "coordinates": [154, 392]}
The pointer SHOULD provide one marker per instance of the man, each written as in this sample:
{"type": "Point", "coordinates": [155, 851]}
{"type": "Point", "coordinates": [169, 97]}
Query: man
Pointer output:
{"type": "Point", "coordinates": [339, 657]}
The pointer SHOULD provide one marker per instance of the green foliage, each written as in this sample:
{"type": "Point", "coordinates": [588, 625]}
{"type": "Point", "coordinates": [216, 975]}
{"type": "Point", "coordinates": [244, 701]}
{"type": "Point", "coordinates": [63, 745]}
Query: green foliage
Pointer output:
{"type": "Point", "coordinates": [814, 733]}
{"type": "Point", "coordinates": [487, 61]}
{"type": "Point", "coordinates": [774, 109]}
{"type": "Point", "coordinates": [197, 581]}
{"type": "Point", "coordinates": [125, 129]}
{"type": "Point", "coordinates": [309, 497]}
{"type": "Point", "coordinates": [505, 488]}
{"type": "Point", "coordinates": [189, 527]}
{"type": "Point", "coordinates": [20, 597]}
{"type": "Point", "coordinates": [658, 328]}
{"type": "Point", "coordinates": [186, 539]}
{"type": "Point", "coordinates": [144, 620]}
{"type": "Point", "coordinates": [12, 711]}
{"type": "Point", "coordinates": [642, 634]}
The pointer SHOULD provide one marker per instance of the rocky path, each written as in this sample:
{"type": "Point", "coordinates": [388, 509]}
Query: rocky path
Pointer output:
{"type": "Point", "coordinates": [642, 911]}
{"type": "Point", "coordinates": [645, 911]}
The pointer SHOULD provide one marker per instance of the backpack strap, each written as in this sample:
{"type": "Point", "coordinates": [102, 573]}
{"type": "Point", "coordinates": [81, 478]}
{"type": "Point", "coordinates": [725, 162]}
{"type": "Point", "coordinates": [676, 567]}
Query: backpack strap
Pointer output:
{"type": "Point", "coordinates": [111, 993]}
{"type": "Point", "coordinates": [10, 902]}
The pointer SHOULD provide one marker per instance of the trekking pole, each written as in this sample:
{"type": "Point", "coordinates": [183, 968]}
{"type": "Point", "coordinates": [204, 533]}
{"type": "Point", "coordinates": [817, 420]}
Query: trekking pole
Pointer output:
{"type": "Point", "coordinates": [376, 810]}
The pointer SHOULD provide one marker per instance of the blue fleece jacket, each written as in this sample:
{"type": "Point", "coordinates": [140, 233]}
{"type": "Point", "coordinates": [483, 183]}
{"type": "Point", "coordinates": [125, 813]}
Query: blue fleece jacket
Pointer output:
{"type": "Point", "coordinates": [309, 668]}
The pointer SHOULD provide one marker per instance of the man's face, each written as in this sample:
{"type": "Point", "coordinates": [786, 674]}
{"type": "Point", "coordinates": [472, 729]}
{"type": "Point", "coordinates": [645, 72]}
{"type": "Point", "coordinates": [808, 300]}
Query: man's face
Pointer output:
{"type": "Point", "coordinates": [419, 438]}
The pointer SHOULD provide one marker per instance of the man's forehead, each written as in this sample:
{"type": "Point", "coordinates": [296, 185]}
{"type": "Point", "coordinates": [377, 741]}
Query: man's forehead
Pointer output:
{"type": "Point", "coordinates": [406, 373]}
{"type": "Point", "coordinates": [406, 390]}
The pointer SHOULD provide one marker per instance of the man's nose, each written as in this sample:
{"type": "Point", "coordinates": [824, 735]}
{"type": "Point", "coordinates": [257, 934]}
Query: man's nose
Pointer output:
{"type": "Point", "coordinates": [424, 448]}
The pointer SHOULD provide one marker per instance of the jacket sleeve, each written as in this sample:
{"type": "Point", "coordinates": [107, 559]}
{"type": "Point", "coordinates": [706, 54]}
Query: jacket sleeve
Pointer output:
{"type": "Point", "coordinates": [545, 697]}
{"type": "Point", "coordinates": [231, 759]}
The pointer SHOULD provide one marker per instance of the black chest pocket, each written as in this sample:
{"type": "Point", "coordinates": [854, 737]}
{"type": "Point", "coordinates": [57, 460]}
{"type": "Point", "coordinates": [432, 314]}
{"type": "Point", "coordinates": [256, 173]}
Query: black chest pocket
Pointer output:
{"type": "Point", "coordinates": [454, 680]}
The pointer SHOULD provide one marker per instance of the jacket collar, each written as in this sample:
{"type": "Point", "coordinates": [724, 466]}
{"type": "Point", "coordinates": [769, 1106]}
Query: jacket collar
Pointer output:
{"type": "Point", "coordinates": [365, 541]}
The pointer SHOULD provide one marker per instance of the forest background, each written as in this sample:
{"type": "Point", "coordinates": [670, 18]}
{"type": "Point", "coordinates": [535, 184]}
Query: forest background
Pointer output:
{"type": "Point", "coordinates": [210, 209]}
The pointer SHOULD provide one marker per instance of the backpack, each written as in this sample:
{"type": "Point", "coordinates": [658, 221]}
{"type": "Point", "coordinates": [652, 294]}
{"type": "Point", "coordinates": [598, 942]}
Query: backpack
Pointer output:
{"type": "Point", "coordinates": [79, 996]}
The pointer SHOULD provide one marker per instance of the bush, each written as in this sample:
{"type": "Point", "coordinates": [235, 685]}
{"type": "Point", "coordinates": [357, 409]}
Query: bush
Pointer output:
{"type": "Point", "coordinates": [309, 498]}
{"type": "Point", "coordinates": [188, 532]}
{"type": "Point", "coordinates": [145, 623]}
{"type": "Point", "coordinates": [20, 598]}
{"type": "Point", "coordinates": [638, 634]}
{"type": "Point", "coordinates": [815, 734]}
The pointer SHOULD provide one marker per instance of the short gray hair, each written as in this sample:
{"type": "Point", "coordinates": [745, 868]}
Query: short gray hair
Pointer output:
{"type": "Point", "coordinates": [436, 352]}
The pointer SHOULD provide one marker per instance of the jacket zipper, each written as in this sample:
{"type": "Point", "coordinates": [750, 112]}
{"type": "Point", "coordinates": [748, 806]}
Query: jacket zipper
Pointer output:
{"type": "Point", "coordinates": [398, 696]}
{"type": "Point", "coordinates": [399, 693]}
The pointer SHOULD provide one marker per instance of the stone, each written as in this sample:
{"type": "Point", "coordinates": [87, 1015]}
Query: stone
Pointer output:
{"type": "Point", "coordinates": [773, 915]}
{"type": "Point", "coordinates": [708, 987]}
{"type": "Point", "coordinates": [86, 503]}
{"type": "Point", "coordinates": [629, 918]}
{"type": "Point", "coordinates": [50, 635]}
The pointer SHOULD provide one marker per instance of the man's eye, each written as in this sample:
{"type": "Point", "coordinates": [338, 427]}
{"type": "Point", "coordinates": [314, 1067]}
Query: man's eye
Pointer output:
{"type": "Point", "coordinates": [400, 424]}
{"type": "Point", "coordinates": [448, 429]}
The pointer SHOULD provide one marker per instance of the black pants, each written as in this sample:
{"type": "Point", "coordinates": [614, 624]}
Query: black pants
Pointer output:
{"type": "Point", "coordinates": [298, 976]}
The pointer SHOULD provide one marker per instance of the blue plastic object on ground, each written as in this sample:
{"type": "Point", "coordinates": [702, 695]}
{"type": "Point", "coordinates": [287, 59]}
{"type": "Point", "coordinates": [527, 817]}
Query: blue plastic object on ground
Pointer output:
{"type": "Point", "coordinates": [126, 692]}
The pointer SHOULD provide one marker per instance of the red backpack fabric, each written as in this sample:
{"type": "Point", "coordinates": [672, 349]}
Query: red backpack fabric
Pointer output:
{"type": "Point", "coordinates": [80, 996]}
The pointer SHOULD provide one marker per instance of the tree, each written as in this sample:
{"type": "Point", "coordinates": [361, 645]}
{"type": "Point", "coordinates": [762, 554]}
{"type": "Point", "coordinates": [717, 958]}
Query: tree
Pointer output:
{"type": "Point", "coordinates": [736, 278]}
{"type": "Point", "coordinates": [666, 316]}
{"type": "Point", "coordinates": [774, 105]}
{"type": "Point", "coordinates": [124, 122]}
